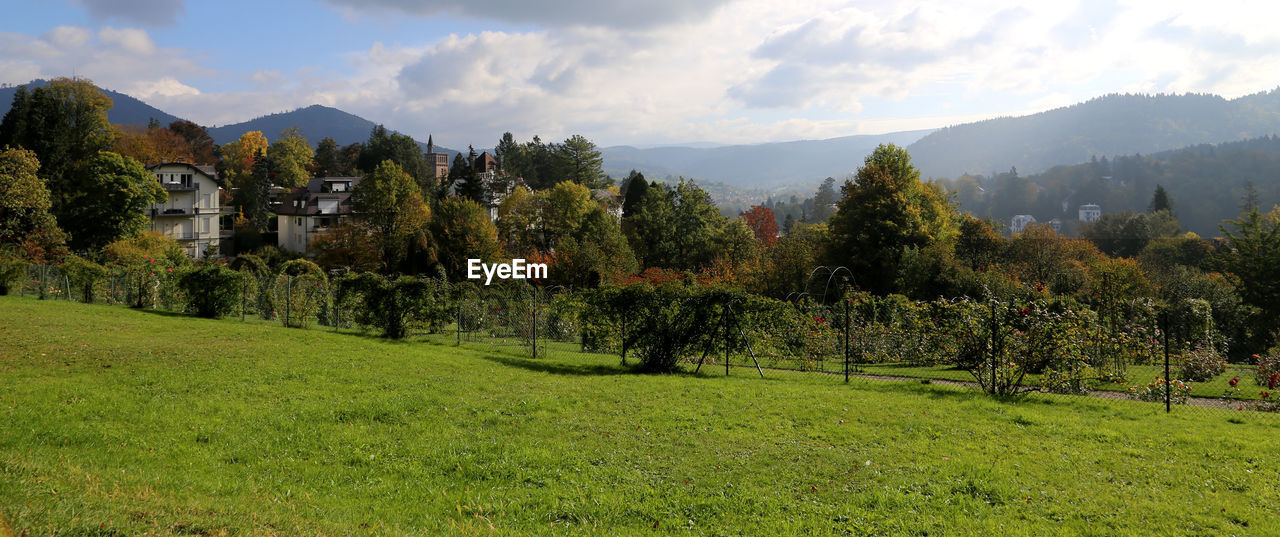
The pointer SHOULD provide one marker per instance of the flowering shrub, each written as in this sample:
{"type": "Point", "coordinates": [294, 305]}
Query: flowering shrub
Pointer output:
{"type": "Point", "coordinates": [1268, 372]}
{"type": "Point", "coordinates": [1154, 391]}
{"type": "Point", "coordinates": [1202, 363]}
{"type": "Point", "coordinates": [1269, 402]}
{"type": "Point", "coordinates": [1071, 381]}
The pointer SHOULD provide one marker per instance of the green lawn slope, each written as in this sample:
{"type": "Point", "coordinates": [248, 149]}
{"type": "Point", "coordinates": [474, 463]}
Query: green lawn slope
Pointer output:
{"type": "Point", "coordinates": [124, 422]}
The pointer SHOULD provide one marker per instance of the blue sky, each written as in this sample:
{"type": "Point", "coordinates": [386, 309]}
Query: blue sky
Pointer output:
{"type": "Point", "coordinates": [662, 71]}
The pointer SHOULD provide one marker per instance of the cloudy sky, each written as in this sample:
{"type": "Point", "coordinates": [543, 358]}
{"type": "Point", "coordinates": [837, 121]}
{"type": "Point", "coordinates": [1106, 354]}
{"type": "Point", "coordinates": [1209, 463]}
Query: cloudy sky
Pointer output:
{"type": "Point", "coordinates": [659, 71]}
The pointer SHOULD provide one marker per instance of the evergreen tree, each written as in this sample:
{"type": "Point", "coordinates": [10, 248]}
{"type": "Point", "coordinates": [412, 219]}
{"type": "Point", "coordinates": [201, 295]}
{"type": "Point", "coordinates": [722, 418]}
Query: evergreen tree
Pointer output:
{"type": "Point", "coordinates": [327, 162]}
{"type": "Point", "coordinates": [635, 187]}
{"type": "Point", "coordinates": [465, 178]}
{"type": "Point", "coordinates": [1160, 201]}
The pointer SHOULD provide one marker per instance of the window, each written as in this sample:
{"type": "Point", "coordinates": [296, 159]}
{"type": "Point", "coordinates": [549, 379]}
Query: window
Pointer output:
{"type": "Point", "coordinates": [298, 221]}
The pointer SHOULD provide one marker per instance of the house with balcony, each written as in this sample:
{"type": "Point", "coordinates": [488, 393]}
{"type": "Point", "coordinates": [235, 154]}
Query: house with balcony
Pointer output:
{"type": "Point", "coordinates": [312, 211]}
{"type": "Point", "coordinates": [191, 213]}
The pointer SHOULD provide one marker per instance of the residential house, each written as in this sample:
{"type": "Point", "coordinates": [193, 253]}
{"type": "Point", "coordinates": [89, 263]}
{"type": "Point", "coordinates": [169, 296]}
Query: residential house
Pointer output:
{"type": "Point", "coordinates": [1020, 222]}
{"type": "Point", "coordinates": [314, 210]}
{"type": "Point", "coordinates": [190, 215]}
{"type": "Point", "coordinates": [1090, 213]}
{"type": "Point", "coordinates": [611, 201]}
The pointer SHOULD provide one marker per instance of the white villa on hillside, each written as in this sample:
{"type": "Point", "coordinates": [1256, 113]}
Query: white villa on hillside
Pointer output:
{"type": "Point", "coordinates": [1020, 222]}
{"type": "Point", "coordinates": [311, 211]}
{"type": "Point", "coordinates": [190, 215]}
{"type": "Point", "coordinates": [1090, 213]}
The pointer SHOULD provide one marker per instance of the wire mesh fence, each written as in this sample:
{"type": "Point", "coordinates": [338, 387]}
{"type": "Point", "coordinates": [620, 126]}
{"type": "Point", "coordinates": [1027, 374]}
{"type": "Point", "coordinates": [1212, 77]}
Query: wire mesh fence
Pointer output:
{"type": "Point", "coordinates": [1167, 356]}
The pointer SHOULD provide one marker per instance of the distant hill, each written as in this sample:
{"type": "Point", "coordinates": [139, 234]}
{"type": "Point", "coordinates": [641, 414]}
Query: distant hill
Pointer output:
{"type": "Point", "coordinates": [314, 121]}
{"type": "Point", "coordinates": [764, 166]}
{"type": "Point", "coordinates": [1206, 183]}
{"type": "Point", "coordinates": [125, 109]}
{"type": "Point", "coordinates": [1109, 125]}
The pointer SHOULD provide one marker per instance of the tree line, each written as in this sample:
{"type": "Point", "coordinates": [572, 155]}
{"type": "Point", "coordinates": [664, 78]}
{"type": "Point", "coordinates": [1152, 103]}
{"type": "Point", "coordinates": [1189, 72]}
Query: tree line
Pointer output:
{"type": "Point", "coordinates": [896, 233]}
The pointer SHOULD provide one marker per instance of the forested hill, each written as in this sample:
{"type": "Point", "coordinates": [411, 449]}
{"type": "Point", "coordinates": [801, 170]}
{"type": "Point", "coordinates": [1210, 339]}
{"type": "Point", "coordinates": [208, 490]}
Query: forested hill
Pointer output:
{"type": "Point", "coordinates": [124, 109]}
{"type": "Point", "coordinates": [314, 121]}
{"type": "Point", "coordinates": [1109, 125]}
{"type": "Point", "coordinates": [1208, 184]}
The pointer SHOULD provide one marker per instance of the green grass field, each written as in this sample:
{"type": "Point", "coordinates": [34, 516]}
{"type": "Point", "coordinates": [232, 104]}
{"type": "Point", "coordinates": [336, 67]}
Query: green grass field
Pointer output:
{"type": "Point", "coordinates": [123, 422]}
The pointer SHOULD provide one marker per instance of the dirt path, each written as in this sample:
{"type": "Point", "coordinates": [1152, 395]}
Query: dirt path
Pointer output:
{"type": "Point", "coordinates": [1206, 402]}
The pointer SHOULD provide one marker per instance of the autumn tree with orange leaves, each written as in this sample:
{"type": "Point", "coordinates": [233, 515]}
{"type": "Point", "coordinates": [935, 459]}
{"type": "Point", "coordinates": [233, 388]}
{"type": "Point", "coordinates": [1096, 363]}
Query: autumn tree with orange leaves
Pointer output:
{"type": "Point", "coordinates": [762, 222]}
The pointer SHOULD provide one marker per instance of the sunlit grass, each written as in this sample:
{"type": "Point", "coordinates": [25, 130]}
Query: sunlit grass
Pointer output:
{"type": "Point", "coordinates": [120, 422]}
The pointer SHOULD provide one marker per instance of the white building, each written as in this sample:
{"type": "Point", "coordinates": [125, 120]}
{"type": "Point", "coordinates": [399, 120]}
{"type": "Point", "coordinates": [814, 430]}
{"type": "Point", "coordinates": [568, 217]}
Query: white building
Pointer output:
{"type": "Point", "coordinates": [1090, 213]}
{"type": "Point", "coordinates": [1020, 222]}
{"type": "Point", "coordinates": [190, 215]}
{"type": "Point", "coordinates": [312, 211]}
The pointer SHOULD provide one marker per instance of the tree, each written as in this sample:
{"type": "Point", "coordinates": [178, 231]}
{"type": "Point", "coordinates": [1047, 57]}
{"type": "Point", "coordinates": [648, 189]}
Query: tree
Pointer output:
{"type": "Point", "coordinates": [578, 160]}
{"type": "Point", "coordinates": [566, 206]}
{"type": "Point", "coordinates": [1252, 257]}
{"type": "Point", "coordinates": [596, 253]}
{"type": "Point", "coordinates": [291, 158]}
{"type": "Point", "coordinates": [252, 193]}
{"type": "Point", "coordinates": [519, 218]}
{"type": "Point", "coordinates": [238, 157]}
{"type": "Point", "coordinates": [402, 150]}
{"type": "Point", "coordinates": [763, 224]}
{"type": "Point", "coordinates": [349, 245]}
{"type": "Point", "coordinates": [25, 220]}
{"type": "Point", "coordinates": [328, 159]}
{"type": "Point", "coordinates": [463, 174]}
{"type": "Point", "coordinates": [212, 290]}
{"type": "Point", "coordinates": [64, 124]}
{"type": "Point", "coordinates": [199, 143]}
{"type": "Point", "coordinates": [978, 244]}
{"type": "Point", "coordinates": [508, 153]}
{"type": "Point", "coordinates": [788, 264]}
{"type": "Point", "coordinates": [114, 194]}
{"type": "Point", "coordinates": [634, 187]}
{"type": "Point", "coordinates": [152, 145]}
{"type": "Point", "coordinates": [390, 304]}
{"type": "Point", "coordinates": [885, 210]}
{"type": "Point", "coordinates": [1160, 201]}
{"type": "Point", "coordinates": [389, 201]}
{"type": "Point", "coordinates": [462, 230]}
{"type": "Point", "coordinates": [824, 201]}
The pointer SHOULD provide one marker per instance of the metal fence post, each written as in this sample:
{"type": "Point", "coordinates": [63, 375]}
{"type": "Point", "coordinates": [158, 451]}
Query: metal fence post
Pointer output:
{"type": "Point", "coordinates": [1168, 383]}
{"type": "Point", "coordinates": [288, 298]}
{"type": "Point", "coordinates": [459, 330]}
{"type": "Point", "coordinates": [846, 338]}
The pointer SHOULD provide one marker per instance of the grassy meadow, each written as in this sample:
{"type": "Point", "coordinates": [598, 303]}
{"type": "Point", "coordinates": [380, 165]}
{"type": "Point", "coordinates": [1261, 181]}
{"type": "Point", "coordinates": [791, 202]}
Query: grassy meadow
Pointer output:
{"type": "Point", "coordinates": [123, 422]}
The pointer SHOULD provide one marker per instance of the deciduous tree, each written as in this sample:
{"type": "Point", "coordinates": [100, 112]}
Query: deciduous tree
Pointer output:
{"type": "Point", "coordinates": [291, 156]}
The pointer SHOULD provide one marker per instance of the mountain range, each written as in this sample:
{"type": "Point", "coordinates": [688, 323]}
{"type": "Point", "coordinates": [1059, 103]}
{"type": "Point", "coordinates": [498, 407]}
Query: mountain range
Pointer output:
{"type": "Point", "coordinates": [1109, 125]}
{"type": "Point", "coordinates": [766, 166]}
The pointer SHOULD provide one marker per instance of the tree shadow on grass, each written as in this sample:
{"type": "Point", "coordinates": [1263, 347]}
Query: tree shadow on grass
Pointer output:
{"type": "Point", "coordinates": [556, 368]}
{"type": "Point", "coordinates": [164, 313]}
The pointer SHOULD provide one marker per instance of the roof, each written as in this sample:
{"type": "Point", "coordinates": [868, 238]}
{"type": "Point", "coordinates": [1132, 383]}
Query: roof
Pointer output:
{"type": "Point", "coordinates": [311, 195]}
{"type": "Point", "coordinates": [207, 171]}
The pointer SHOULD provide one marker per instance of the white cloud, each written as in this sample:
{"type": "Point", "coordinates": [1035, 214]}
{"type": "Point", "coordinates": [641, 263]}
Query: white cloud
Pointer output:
{"type": "Point", "coordinates": [130, 40]}
{"type": "Point", "coordinates": [749, 71]}
{"type": "Point", "coordinates": [164, 87]}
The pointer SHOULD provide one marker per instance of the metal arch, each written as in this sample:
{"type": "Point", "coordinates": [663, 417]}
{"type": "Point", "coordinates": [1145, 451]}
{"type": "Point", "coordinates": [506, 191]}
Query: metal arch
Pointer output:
{"type": "Point", "coordinates": [834, 272]}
